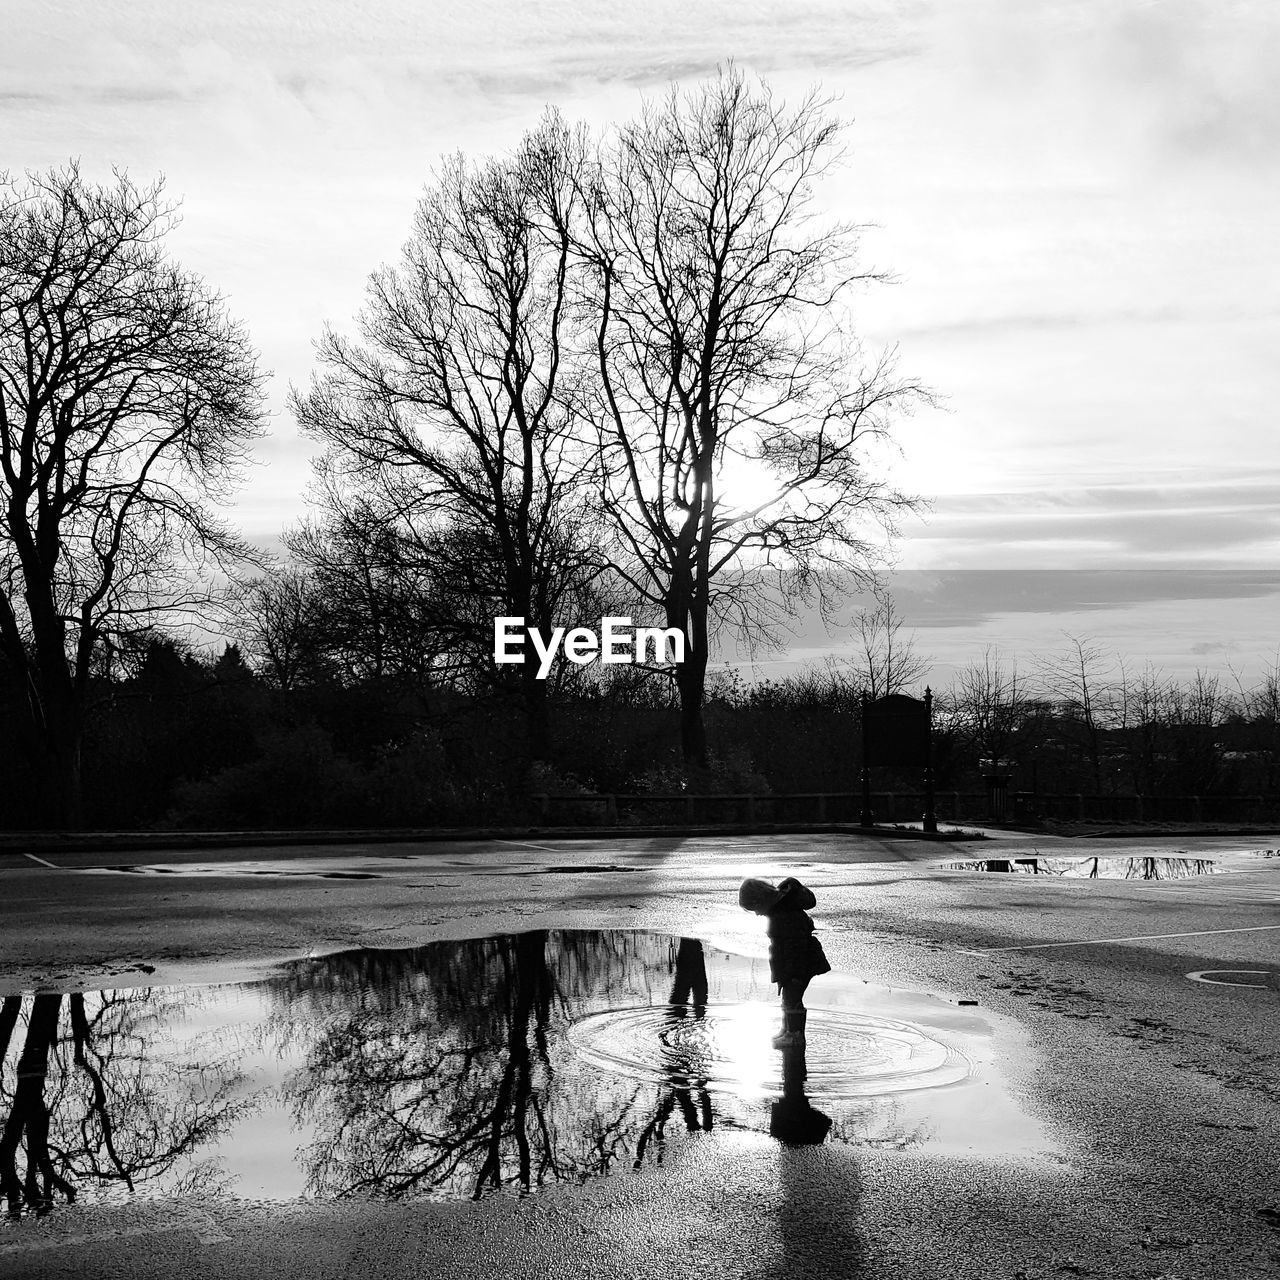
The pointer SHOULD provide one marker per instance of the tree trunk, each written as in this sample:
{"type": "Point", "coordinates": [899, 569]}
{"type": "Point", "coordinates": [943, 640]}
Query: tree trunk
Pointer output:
{"type": "Point", "coordinates": [51, 733]}
{"type": "Point", "coordinates": [691, 679]}
{"type": "Point", "coordinates": [30, 1115]}
{"type": "Point", "coordinates": [63, 733]}
{"type": "Point", "coordinates": [57, 704]}
{"type": "Point", "coordinates": [536, 711]}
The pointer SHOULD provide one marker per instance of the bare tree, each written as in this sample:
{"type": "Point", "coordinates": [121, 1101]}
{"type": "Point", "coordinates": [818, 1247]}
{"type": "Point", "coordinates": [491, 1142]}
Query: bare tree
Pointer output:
{"type": "Point", "coordinates": [276, 617]}
{"type": "Point", "coordinates": [1260, 707]}
{"type": "Point", "coordinates": [989, 704]}
{"type": "Point", "coordinates": [1081, 682]}
{"type": "Point", "coordinates": [1195, 713]}
{"type": "Point", "coordinates": [397, 596]}
{"type": "Point", "coordinates": [375, 613]}
{"type": "Point", "coordinates": [884, 660]}
{"type": "Point", "coordinates": [1142, 703]}
{"type": "Point", "coordinates": [722, 336]}
{"type": "Point", "coordinates": [128, 400]}
{"type": "Point", "coordinates": [451, 410]}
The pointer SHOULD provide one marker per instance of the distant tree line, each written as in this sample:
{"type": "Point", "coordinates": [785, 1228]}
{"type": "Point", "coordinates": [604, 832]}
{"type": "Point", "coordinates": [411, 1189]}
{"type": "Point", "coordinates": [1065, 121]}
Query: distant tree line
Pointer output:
{"type": "Point", "coordinates": [183, 739]}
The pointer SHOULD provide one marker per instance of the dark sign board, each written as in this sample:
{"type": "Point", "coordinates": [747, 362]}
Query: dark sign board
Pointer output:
{"type": "Point", "coordinates": [895, 731]}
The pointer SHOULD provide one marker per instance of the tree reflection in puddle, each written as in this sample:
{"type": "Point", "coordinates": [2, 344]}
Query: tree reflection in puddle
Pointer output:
{"type": "Point", "coordinates": [463, 1068]}
{"type": "Point", "coordinates": [88, 1102]}
{"type": "Point", "coordinates": [1153, 868]}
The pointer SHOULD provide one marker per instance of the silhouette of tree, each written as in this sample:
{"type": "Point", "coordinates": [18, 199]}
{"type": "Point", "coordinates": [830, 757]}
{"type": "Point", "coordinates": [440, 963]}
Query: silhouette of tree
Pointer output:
{"type": "Point", "coordinates": [452, 408]}
{"type": "Point", "coordinates": [884, 661]}
{"type": "Point", "coordinates": [723, 336]}
{"type": "Point", "coordinates": [988, 705]}
{"type": "Point", "coordinates": [1081, 684]}
{"type": "Point", "coordinates": [128, 401]}
{"type": "Point", "coordinates": [277, 619]}
{"type": "Point", "coordinates": [382, 602]}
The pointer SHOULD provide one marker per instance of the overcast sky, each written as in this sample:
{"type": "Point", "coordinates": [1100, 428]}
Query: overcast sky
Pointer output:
{"type": "Point", "coordinates": [1078, 198]}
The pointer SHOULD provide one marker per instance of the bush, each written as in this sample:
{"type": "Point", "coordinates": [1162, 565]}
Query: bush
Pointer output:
{"type": "Point", "coordinates": [409, 785]}
{"type": "Point", "coordinates": [298, 780]}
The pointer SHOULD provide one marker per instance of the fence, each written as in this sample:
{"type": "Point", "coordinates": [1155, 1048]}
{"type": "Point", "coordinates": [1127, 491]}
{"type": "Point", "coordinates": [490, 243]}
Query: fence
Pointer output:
{"type": "Point", "coordinates": [843, 807]}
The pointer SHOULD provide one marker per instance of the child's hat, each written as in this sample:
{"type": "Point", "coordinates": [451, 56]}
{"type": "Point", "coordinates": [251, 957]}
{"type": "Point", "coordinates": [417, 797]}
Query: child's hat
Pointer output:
{"type": "Point", "coordinates": [760, 896]}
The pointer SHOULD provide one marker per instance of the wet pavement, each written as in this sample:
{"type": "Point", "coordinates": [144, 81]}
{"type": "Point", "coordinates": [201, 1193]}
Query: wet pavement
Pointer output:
{"type": "Point", "coordinates": [1022, 1075]}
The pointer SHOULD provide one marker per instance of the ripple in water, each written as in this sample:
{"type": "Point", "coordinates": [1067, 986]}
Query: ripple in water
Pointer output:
{"type": "Point", "coordinates": [726, 1048]}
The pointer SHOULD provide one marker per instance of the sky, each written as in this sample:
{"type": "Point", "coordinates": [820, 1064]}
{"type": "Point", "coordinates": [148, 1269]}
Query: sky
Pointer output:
{"type": "Point", "coordinates": [1076, 198]}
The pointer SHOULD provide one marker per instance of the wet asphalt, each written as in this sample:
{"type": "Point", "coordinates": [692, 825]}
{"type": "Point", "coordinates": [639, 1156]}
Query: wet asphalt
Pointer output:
{"type": "Point", "coordinates": [1159, 1092]}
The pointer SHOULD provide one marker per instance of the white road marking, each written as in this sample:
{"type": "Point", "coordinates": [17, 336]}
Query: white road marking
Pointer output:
{"type": "Point", "coordinates": [1202, 975]}
{"type": "Point", "coordinates": [527, 844]}
{"type": "Point", "coordinates": [41, 861]}
{"type": "Point", "coordinates": [1137, 937]}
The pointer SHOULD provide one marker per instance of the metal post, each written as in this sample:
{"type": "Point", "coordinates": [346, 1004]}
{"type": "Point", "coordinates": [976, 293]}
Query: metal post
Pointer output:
{"type": "Point", "coordinates": [930, 813]}
{"type": "Point", "coordinates": [866, 819]}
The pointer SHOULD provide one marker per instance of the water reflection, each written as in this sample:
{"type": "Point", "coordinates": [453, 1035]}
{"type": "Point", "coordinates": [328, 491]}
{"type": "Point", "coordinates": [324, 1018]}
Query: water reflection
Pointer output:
{"type": "Point", "coordinates": [87, 1101]}
{"type": "Point", "coordinates": [444, 1070]}
{"type": "Point", "coordinates": [456, 1070]}
{"type": "Point", "coordinates": [793, 1118]}
{"type": "Point", "coordinates": [1097, 868]}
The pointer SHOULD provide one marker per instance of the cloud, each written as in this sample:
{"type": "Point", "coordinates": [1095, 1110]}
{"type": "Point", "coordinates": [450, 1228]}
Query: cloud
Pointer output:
{"type": "Point", "coordinates": [1209, 71]}
{"type": "Point", "coordinates": [1226, 523]}
{"type": "Point", "coordinates": [982, 328]}
{"type": "Point", "coordinates": [1204, 648]}
{"type": "Point", "coordinates": [974, 598]}
{"type": "Point", "coordinates": [1179, 622]}
{"type": "Point", "coordinates": [1179, 81]}
{"type": "Point", "coordinates": [497, 47]}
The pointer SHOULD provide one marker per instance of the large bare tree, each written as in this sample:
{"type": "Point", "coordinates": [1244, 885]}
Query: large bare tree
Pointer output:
{"type": "Point", "coordinates": [451, 407]}
{"type": "Point", "coordinates": [719, 303]}
{"type": "Point", "coordinates": [128, 399]}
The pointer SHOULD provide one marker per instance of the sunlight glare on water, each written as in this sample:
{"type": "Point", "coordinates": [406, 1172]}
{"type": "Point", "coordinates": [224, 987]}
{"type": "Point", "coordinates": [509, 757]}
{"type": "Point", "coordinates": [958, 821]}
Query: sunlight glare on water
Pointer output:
{"type": "Point", "coordinates": [727, 1049]}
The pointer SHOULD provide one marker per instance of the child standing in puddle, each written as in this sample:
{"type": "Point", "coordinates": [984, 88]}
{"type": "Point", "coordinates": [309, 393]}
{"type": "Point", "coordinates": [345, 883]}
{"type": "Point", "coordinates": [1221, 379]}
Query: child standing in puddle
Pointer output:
{"type": "Point", "coordinates": [795, 955]}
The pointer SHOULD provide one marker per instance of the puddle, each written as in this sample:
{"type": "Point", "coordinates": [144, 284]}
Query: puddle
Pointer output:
{"type": "Point", "coordinates": [237, 869]}
{"type": "Point", "coordinates": [585, 869]}
{"type": "Point", "coordinates": [460, 1069]}
{"type": "Point", "coordinates": [1096, 868]}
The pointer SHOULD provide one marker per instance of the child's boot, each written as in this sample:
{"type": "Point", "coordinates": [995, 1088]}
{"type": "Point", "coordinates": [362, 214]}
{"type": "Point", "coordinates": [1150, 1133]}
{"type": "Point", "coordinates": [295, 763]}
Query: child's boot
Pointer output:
{"type": "Point", "coordinates": [793, 1023]}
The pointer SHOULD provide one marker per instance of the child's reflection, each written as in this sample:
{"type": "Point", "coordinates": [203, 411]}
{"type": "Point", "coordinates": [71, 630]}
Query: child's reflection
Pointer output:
{"type": "Point", "coordinates": [792, 1118]}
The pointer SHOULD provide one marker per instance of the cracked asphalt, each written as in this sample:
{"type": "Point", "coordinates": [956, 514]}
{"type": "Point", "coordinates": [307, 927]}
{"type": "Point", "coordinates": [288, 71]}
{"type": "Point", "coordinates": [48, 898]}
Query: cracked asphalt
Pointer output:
{"type": "Point", "coordinates": [1160, 1091]}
